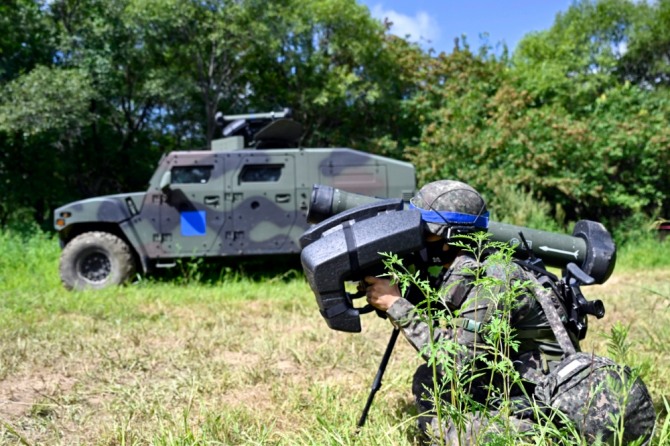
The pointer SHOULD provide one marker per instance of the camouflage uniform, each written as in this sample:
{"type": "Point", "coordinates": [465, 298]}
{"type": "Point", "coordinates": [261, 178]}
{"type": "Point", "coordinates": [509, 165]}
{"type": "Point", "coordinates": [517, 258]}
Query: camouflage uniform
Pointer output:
{"type": "Point", "coordinates": [554, 374]}
{"type": "Point", "coordinates": [461, 208]}
{"type": "Point", "coordinates": [538, 353]}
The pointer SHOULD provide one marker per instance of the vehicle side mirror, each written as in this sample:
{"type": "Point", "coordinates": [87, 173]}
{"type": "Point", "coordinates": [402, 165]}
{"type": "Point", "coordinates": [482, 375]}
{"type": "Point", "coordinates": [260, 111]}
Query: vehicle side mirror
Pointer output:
{"type": "Point", "coordinates": [166, 179]}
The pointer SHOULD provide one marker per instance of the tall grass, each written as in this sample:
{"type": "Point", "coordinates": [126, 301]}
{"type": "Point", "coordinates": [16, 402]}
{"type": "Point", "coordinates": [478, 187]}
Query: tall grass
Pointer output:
{"type": "Point", "coordinates": [28, 260]}
{"type": "Point", "coordinates": [235, 358]}
{"type": "Point", "coordinates": [646, 251]}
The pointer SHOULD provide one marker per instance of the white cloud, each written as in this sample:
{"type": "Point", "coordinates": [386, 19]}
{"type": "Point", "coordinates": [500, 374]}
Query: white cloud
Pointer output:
{"type": "Point", "coordinates": [420, 27]}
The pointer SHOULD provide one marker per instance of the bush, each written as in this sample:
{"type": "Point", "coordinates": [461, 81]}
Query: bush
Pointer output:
{"type": "Point", "coordinates": [28, 259]}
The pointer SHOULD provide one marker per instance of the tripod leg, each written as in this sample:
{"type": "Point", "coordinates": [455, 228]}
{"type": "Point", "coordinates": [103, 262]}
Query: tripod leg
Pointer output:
{"type": "Point", "coordinates": [377, 383]}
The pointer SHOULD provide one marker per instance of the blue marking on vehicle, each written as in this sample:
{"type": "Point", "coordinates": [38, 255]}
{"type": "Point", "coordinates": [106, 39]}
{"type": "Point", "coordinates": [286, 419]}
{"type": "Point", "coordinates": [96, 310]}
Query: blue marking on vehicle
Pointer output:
{"type": "Point", "coordinates": [193, 223]}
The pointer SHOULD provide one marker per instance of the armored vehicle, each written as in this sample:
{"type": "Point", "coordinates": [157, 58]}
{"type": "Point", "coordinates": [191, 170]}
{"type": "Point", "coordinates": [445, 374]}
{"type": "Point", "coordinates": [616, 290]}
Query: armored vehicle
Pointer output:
{"type": "Point", "coordinates": [247, 196]}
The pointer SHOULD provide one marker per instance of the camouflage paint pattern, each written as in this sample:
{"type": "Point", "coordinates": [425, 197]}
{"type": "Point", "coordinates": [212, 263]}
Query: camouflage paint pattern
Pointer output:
{"type": "Point", "coordinates": [231, 202]}
{"type": "Point", "coordinates": [450, 196]}
{"type": "Point", "coordinates": [595, 393]}
{"type": "Point", "coordinates": [591, 391]}
{"type": "Point", "coordinates": [475, 428]}
{"type": "Point", "coordinates": [476, 309]}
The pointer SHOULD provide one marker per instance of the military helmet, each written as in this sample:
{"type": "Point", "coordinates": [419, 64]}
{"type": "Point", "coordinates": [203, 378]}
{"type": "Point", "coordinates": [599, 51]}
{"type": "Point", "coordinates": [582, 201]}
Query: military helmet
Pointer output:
{"type": "Point", "coordinates": [451, 207]}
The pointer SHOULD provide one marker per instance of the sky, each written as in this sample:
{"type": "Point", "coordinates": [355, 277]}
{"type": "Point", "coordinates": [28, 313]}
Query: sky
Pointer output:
{"type": "Point", "coordinates": [435, 23]}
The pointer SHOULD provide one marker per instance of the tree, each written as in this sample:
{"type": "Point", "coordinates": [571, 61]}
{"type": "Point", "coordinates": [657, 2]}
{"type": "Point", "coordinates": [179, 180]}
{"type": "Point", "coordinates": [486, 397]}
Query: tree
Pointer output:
{"type": "Point", "coordinates": [336, 66]}
{"type": "Point", "coordinates": [78, 120]}
{"type": "Point", "coordinates": [558, 122]}
{"type": "Point", "coordinates": [26, 37]}
{"type": "Point", "coordinates": [203, 46]}
{"type": "Point", "coordinates": [577, 59]}
{"type": "Point", "coordinates": [647, 59]}
{"type": "Point", "coordinates": [120, 81]}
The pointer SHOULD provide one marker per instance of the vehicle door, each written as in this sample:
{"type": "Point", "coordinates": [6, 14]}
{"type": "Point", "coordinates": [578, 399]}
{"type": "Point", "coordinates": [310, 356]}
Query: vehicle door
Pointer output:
{"type": "Point", "coordinates": [192, 213]}
{"type": "Point", "coordinates": [263, 204]}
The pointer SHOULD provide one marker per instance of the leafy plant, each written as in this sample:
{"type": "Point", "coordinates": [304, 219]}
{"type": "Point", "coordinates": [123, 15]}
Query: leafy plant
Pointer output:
{"type": "Point", "coordinates": [455, 369]}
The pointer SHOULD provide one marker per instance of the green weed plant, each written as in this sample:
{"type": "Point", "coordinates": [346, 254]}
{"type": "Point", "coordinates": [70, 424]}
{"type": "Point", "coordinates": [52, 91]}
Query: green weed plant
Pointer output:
{"type": "Point", "coordinates": [453, 373]}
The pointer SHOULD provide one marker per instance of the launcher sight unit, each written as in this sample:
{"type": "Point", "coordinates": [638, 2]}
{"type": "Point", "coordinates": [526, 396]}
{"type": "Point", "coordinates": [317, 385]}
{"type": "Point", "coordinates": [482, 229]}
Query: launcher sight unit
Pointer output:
{"type": "Point", "coordinates": [352, 230]}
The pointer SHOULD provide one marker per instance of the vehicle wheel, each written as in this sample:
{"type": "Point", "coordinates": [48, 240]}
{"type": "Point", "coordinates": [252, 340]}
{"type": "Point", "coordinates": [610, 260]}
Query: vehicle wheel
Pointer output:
{"type": "Point", "coordinates": [96, 260]}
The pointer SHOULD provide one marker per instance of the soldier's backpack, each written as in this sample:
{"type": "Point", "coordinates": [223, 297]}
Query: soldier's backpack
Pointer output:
{"type": "Point", "coordinates": [601, 397]}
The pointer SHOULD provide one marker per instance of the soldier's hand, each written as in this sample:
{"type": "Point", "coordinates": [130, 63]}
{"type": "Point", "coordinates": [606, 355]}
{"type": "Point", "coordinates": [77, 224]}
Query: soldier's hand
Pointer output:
{"type": "Point", "coordinates": [380, 293]}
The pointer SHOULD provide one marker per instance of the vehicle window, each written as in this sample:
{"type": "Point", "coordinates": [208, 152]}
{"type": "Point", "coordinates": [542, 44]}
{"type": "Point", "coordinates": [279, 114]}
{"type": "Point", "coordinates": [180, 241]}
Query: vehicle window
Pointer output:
{"type": "Point", "coordinates": [262, 172]}
{"type": "Point", "coordinates": [191, 174]}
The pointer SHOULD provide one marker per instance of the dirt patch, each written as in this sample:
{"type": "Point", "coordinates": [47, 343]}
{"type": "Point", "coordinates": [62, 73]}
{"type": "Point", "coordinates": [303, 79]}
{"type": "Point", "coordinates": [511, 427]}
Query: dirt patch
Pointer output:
{"type": "Point", "coordinates": [19, 395]}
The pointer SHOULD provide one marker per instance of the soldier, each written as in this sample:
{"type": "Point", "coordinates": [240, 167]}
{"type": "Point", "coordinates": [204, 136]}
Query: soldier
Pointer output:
{"type": "Point", "coordinates": [449, 208]}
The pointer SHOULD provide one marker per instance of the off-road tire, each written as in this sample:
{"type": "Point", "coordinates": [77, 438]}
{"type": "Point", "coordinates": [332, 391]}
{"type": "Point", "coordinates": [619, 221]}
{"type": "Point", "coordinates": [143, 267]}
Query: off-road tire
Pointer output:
{"type": "Point", "coordinates": [96, 260]}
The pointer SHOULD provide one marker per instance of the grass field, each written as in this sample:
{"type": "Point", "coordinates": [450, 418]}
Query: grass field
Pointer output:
{"type": "Point", "coordinates": [245, 360]}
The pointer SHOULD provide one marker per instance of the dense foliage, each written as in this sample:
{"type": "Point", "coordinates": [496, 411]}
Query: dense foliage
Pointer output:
{"type": "Point", "coordinates": [567, 118]}
{"type": "Point", "coordinates": [575, 119]}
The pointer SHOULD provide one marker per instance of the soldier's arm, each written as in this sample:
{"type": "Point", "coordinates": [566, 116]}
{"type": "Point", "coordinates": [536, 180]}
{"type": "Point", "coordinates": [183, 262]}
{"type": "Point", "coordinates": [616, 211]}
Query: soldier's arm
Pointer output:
{"type": "Point", "coordinates": [458, 293]}
{"type": "Point", "coordinates": [386, 297]}
{"type": "Point", "coordinates": [414, 325]}
{"type": "Point", "coordinates": [416, 328]}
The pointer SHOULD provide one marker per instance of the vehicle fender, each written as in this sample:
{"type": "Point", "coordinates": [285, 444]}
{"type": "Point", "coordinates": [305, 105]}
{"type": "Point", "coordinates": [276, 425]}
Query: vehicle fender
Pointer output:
{"type": "Point", "coordinates": [128, 229]}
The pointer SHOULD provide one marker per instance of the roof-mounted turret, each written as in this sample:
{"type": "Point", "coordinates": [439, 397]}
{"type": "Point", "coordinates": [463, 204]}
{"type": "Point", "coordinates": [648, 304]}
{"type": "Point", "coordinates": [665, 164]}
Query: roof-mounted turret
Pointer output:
{"type": "Point", "coordinates": [273, 130]}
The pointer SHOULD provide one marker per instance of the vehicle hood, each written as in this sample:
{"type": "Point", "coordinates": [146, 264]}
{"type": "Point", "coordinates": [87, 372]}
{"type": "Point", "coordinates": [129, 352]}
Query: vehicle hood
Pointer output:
{"type": "Point", "coordinates": [108, 208]}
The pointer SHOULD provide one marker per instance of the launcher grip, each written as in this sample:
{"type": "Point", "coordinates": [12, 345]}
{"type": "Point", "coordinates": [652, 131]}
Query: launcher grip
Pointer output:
{"type": "Point", "coordinates": [349, 251]}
